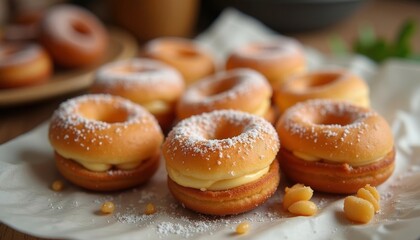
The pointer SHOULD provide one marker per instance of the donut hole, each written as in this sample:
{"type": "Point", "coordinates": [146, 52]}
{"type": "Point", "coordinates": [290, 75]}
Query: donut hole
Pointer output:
{"type": "Point", "coordinates": [81, 28]}
{"type": "Point", "coordinates": [318, 80]}
{"type": "Point", "coordinates": [220, 87]}
{"type": "Point", "coordinates": [315, 80]}
{"type": "Point", "coordinates": [187, 53]}
{"type": "Point", "coordinates": [332, 119]}
{"type": "Point", "coordinates": [107, 113]}
{"type": "Point", "coordinates": [226, 130]}
{"type": "Point", "coordinates": [178, 49]}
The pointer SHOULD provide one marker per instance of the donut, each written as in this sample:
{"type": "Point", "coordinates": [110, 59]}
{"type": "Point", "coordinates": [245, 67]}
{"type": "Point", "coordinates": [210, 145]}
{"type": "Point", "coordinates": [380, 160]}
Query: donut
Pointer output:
{"type": "Point", "coordinates": [150, 83]}
{"type": "Point", "coordinates": [329, 83]}
{"type": "Point", "coordinates": [240, 89]}
{"type": "Point", "coordinates": [24, 26]}
{"type": "Point", "coordinates": [276, 59]}
{"type": "Point", "coordinates": [191, 60]}
{"type": "Point", "coordinates": [104, 142]}
{"type": "Point", "coordinates": [335, 146]}
{"type": "Point", "coordinates": [73, 36]}
{"type": "Point", "coordinates": [23, 65]}
{"type": "Point", "coordinates": [222, 162]}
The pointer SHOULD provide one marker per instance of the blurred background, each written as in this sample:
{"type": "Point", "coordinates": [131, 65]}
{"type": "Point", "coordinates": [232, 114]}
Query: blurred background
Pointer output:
{"type": "Point", "coordinates": [343, 20]}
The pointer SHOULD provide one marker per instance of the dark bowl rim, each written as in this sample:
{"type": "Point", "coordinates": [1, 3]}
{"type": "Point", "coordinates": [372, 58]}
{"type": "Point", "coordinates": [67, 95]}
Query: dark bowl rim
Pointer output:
{"type": "Point", "coordinates": [305, 1]}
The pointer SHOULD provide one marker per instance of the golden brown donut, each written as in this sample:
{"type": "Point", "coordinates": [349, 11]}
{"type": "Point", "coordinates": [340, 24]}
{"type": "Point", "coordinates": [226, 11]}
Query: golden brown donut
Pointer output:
{"type": "Point", "coordinates": [105, 142]}
{"type": "Point", "coordinates": [152, 84]}
{"type": "Point", "coordinates": [73, 36]}
{"type": "Point", "coordinates": [191, 60]}
{"type": "Point", "coordinates": [336, 84]}
{"type": "Point", "coordinates": [222, 162]}
{"type": "Point", "coordinates": [276, 59]}
{"type": "Point", "coordinates": [335, 146]}
{"type": "Point", "coordinates": [23, 65]}
{"type": "Point", "coordinates": [232, 201]}
{"type": "Point", "coordinates": [111, 180]}
{"type": "Point", "coordinates": [240, 89]}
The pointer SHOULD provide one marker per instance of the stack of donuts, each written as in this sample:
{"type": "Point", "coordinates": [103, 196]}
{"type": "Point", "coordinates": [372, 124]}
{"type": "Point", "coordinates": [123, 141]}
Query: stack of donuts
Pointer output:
{"type": "Point", "coordinates": [229, 132]}
{"type": "Point", "coordinates": [65, 36]}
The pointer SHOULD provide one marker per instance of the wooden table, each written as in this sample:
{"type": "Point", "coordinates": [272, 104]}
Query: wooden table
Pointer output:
{"type": "Point", "coordinates": [385, 16]}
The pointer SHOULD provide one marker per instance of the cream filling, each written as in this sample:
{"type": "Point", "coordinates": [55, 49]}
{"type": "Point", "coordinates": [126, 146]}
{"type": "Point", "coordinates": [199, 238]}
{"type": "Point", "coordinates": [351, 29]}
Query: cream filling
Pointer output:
{"type": "Point", "coordinates": [157, 106]}
{"type": "Point", "coordinates": [362, 101]}
{"type": "Point", "coordinates": [311, 158]}
{"type": "Point", "coordinates": [263, 108]}
{"type": "Point", "coordinates": [305, 156]}
{"type": "Point", "coordinates": [102, 167]}
{"type": "Point", "coordinates": [214, 185]}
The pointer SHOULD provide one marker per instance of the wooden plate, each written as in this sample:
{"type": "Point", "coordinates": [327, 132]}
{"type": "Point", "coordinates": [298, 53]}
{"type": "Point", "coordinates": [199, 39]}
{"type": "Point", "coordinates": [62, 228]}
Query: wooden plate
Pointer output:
{"type": "Point", "coordinates": [122, 45]}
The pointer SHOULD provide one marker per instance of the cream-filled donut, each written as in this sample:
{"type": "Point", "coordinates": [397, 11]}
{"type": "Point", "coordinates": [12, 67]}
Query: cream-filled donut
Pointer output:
{"type": "Point", "coordinates": [23, 65]}
{"type": "Point", "coordinates": [240, 89]}
{"type": "Point", "coordinates": [276, 59]}
{"type": "Point", "coordinates": [335, 146]}
{"type": "Point", "coordinates": [73, 36]}
{"type": "Point", "coordinates": [189, 58]}
{"type": "Point", "coordinates": [336, 84]}
{"type": "Point", "coordinates": [105, 142]}
{"type": "Point", "coordinates": [222, 162]}
{"type": "Point", "coordinates": [152, 84]}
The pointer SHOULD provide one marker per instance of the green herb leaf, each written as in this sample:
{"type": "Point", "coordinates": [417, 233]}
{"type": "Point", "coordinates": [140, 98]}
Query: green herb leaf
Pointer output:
{"type": "Point", "coordinates": [379, 50]}
{"type": "Point", "coordinates": [338, 46]}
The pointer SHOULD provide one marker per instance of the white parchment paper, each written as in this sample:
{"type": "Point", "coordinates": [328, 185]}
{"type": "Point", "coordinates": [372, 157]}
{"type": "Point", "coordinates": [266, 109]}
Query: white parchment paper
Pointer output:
{"type": "Point", "coordinates": [27, 170]}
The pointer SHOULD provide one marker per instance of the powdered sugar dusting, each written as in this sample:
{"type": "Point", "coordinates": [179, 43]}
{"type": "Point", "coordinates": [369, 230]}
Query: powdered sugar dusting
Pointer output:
{"type": "Point", "coordinates": [69, 119]}
{"type": "Point", "coordinates": [242, 81]}
{"type": "Point", "coordinates": [196, 134]}
{"type": "Point", "coordinates": [302, 118]}
{"type": "Point", "coordinates": [137, 72]}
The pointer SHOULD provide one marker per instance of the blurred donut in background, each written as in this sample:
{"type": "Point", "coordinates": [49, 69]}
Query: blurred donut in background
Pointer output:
{"type": "Point", "coordinates": [73, 36]}
{"type": "Point", "coordinates": [192, 60]}
{"type": "Point", "coordinates": [276, 59]}
{"type": "Point", "coordinates": [24, 25]}
{"type": "Point", "coordinates": [23, 65]}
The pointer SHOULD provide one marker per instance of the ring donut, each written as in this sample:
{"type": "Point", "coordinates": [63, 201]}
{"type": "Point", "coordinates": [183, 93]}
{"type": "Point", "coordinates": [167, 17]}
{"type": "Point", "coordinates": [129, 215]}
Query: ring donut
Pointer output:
{"type": "Point", "coordinates": [335, 146]}
{"type": "Point", "coordinates": [159, 84]}
{"type": "Point", "coordinates": [336, 84]}
{"type": "Point", "coordinates": [191, 60]}
{"type": "Point", "coordinates": [23, 65]}
{"type": "Point", "coordinates": [105, 142]}
{"type": "Point", "coordinates": [222, 162]}
{"type": "Point", "coordinates": [276, 59]}
{"type": "Point", "coordinates": [73, 36]}
{"type": "Point", "coordinates": [240, 89]}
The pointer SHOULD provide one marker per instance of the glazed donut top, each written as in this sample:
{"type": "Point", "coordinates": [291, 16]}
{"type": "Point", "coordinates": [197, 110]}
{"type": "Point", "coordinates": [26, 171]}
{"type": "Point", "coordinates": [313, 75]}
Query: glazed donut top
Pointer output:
{"type": "Point", "coordinates": [154, 79]}
{"type": "Point", "coordinates": [100, 129]}
{"type": "Point", "coordinates": [220, 149]}
{"type": "Point", "coordinates": [240, 89]}
{"type": "Point", "coordinates": [16, 53]}
{"type": "Point", "coordinates": [335, 131]}
{"type": "Point", "coordinates": [79, 27]}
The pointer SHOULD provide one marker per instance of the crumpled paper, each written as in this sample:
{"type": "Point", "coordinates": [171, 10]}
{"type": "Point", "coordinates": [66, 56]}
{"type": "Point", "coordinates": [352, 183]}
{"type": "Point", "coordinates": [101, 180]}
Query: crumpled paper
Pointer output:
{"type": "Point", "coordinates": [27, 170]}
